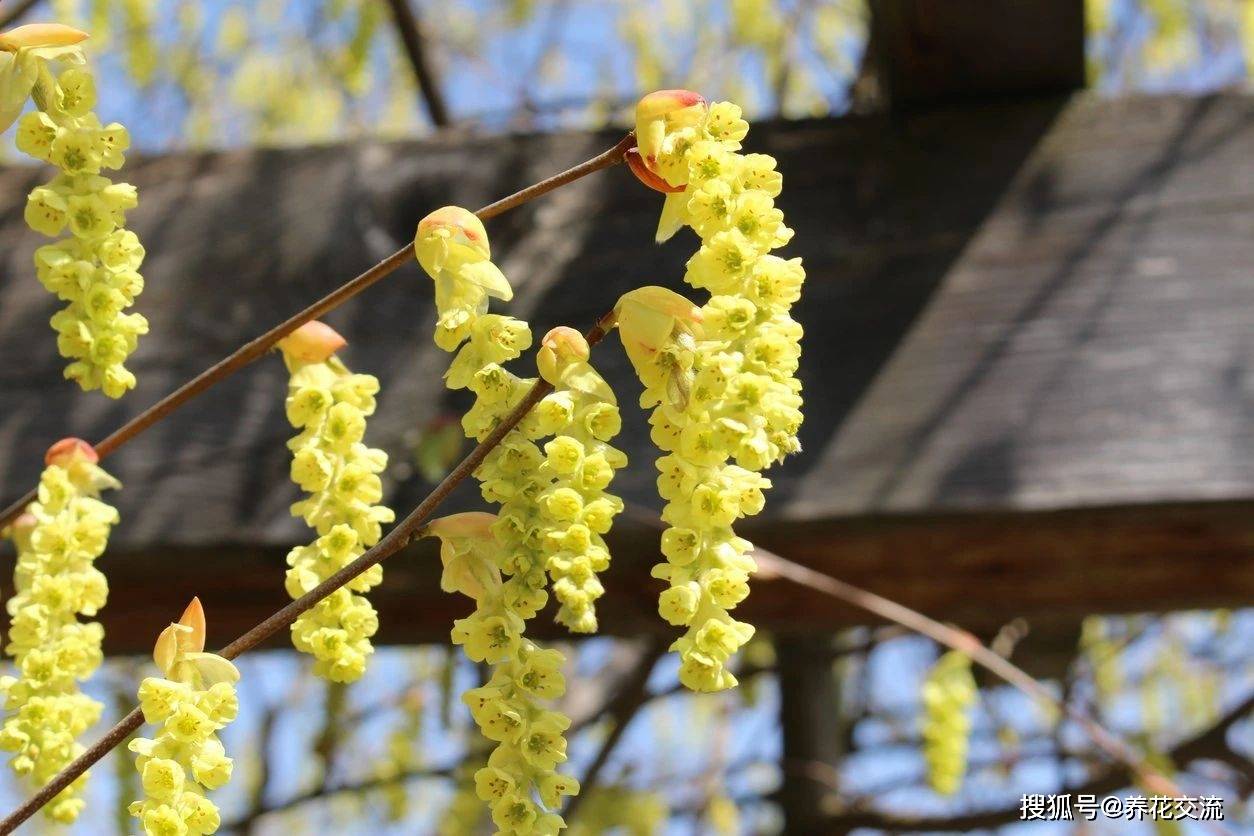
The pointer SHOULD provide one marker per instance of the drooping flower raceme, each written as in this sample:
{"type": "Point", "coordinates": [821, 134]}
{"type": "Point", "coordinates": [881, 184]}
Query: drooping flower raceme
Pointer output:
{"type": "Point", "coordinates": [192, 700]}
{"type": "Point", "coordinates": [329, 405]}
{"type": "Point", "coordinates": [57, 539]}
{"type": "Point", "coordinates": [948, 694]}
{"type": "Point", "coordinates": [94, 270]}
{"type": "Point", "coordinates": [721, 376]}
{"type": "Point", "coordinates": [554, 511]}
{"type": "Point", "coordinates": [520, 779]}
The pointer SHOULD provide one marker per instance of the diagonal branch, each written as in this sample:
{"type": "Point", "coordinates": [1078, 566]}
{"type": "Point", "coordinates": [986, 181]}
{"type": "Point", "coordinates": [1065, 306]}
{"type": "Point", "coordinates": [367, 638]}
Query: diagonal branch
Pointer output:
{"type": "Point", "coordinates": [257, 348]}
{"type": "Point", "coordinates": [415, 48]}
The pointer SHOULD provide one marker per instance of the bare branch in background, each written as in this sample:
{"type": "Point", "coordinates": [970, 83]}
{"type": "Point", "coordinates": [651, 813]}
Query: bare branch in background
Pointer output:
{"type": "Point", "coordinates": [415, 48]}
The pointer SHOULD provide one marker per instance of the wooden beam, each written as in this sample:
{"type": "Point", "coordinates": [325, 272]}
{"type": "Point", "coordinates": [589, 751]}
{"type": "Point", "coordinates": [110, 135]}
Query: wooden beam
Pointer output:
{"type": "Point", "coordinates": [976, 570]}
{"type": "Point", "coordinates": [936, 50]}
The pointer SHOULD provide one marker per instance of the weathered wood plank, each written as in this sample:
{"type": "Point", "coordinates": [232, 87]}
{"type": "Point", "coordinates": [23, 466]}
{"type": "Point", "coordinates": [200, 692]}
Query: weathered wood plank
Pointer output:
{"type": "Point", "coordinates": [980, 570]}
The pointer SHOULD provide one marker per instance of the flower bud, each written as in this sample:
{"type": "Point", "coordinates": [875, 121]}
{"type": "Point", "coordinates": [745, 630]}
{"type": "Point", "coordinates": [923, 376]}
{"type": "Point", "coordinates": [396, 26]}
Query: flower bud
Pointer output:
{"type": "Point", "coordinates": [654, 181]}
{"type": "Point", "coordinates": [312, 342]}
{"type": "Point", "coordinates": [68, 449]}
{"type": "Point", "coordinates": [665, 110]}
{"type": "Point", "coordinates": [559, 348]}
{"type": "Point", "coordinates": [469, 524]}
{"type": "Point", "coordinates": [649, 317]}
{"type": "Point", "coordinates": [449, 225]}
{"type": "Point", "coordinates": [40, 34]}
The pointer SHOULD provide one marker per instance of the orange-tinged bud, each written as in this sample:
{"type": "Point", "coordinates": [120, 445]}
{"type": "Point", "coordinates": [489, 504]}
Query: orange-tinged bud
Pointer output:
{"type": "Point", "coordinates": [40, 34]}
{"type": "Point", "coordinates": [559, 348]}
{"type": "Point", "coordinates": [461, 225]}
{"type": "Point", "coordinates": [664, 102]}
{"type": "Point", "coordinates": [179, 639]}
{"type": "Point", "coordinates": [68, 449]}
{"type": "Point", "coordinates": [193, 618]}
{"type": "Point", "coordinates": [312, 342]}
{"type": "Point", "coordinates": [663, 111]}
{"type": "Point", "coordinates": [654, 181]}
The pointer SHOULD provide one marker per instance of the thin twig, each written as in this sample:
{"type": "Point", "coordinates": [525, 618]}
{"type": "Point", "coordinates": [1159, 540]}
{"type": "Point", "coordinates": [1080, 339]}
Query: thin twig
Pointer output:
{"type": "Point", "coordinates": [16, 13]}
{"type": "Point", "coordinates": [410, 33]}
{"type": "Point", "coordinates": [964, 642]}
{"type": "Point", "coordinates": [396, 539]}
{"type": "Point", "coordinates": [258, 347]}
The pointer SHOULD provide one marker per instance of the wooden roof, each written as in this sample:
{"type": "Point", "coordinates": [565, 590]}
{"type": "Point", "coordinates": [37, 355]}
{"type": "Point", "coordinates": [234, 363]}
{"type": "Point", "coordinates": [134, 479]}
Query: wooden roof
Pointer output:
{"type": "Point", "coordinates": [1029, 334]}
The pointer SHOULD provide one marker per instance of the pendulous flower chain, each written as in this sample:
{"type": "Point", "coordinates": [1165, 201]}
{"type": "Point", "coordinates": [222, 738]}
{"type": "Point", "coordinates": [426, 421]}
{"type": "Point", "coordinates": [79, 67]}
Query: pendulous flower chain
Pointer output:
{"type": "Point", "coordinates": [57, 540]}
{"type": "Point", "coordinates": [95, 269]}
{"type": "Point", "coordinates": [721, 377]}
{"type": "Point", "coordinates": [192, 700]}
{"type": "Point", "coordinates": [948, 694]}
{"type": "Point", "coordinates": [554, 511]}
{"type": "Point", "coordinates": [329, 405]}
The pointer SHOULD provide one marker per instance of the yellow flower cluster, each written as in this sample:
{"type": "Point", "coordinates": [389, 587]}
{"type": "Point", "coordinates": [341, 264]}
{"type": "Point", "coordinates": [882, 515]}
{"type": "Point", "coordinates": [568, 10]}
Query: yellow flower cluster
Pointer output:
{"type": "Point", "coordinates": [329, 405]}
{"type": "Point", "coordinates": [554, 513]}
{"type": "Point", "coordinates": [507, 709]}
{"type": "Point", "coordinates": [555, 508]}
{"type": "Point", "coordinates": [948, 694]}
{"type": "Point", "coordinates": [94, 270]}
{"type": "Point", "coordinates": [192, 700]}
{"type": "Point", "coordinates": [57, 540]}
{"type": "Point", "coordinates": [722, 376]}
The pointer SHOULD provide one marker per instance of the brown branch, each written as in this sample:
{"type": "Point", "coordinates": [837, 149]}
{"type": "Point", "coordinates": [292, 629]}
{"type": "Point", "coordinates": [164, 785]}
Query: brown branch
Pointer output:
{"type": "Point", "coordinates": [632, 695]}
{"type": "Point", "coordinates": [258, 347]}
{"type": "Point", "coordinates": [961, 640]}
{"type": "Point", "coordinates": [395, 540]}
{"type": "Point", "coordinates": [19, 10]}
{"type": "Point", "coordinates": [415, 48]}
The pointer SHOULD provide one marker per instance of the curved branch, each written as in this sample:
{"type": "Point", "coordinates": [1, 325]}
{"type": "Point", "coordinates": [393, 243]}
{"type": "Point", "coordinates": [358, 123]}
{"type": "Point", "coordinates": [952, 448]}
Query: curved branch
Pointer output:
{"type": "Point", "coordinates": [257, 348]}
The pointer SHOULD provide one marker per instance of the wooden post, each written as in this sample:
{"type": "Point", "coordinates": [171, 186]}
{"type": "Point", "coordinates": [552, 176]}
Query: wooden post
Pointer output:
{"type": "Point", "coordinates": [812, 727]}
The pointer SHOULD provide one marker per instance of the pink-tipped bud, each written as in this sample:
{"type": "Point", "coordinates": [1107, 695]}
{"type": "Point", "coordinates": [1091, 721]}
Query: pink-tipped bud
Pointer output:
{"type": "Point", "coordinates": [460, 225]}
{"type": "Point", "coordinates": [34, 35]}
{"type": "Point", "coordinates": [654, 181]}
{"type": "Point", "coordinates": [312, 342]}
{"type": "Point", "coordinates": [666, 102]}
{"type": "Point", "coordinates": [661, 112]}
{"type": "Point", "coordinates": [68, 450]}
